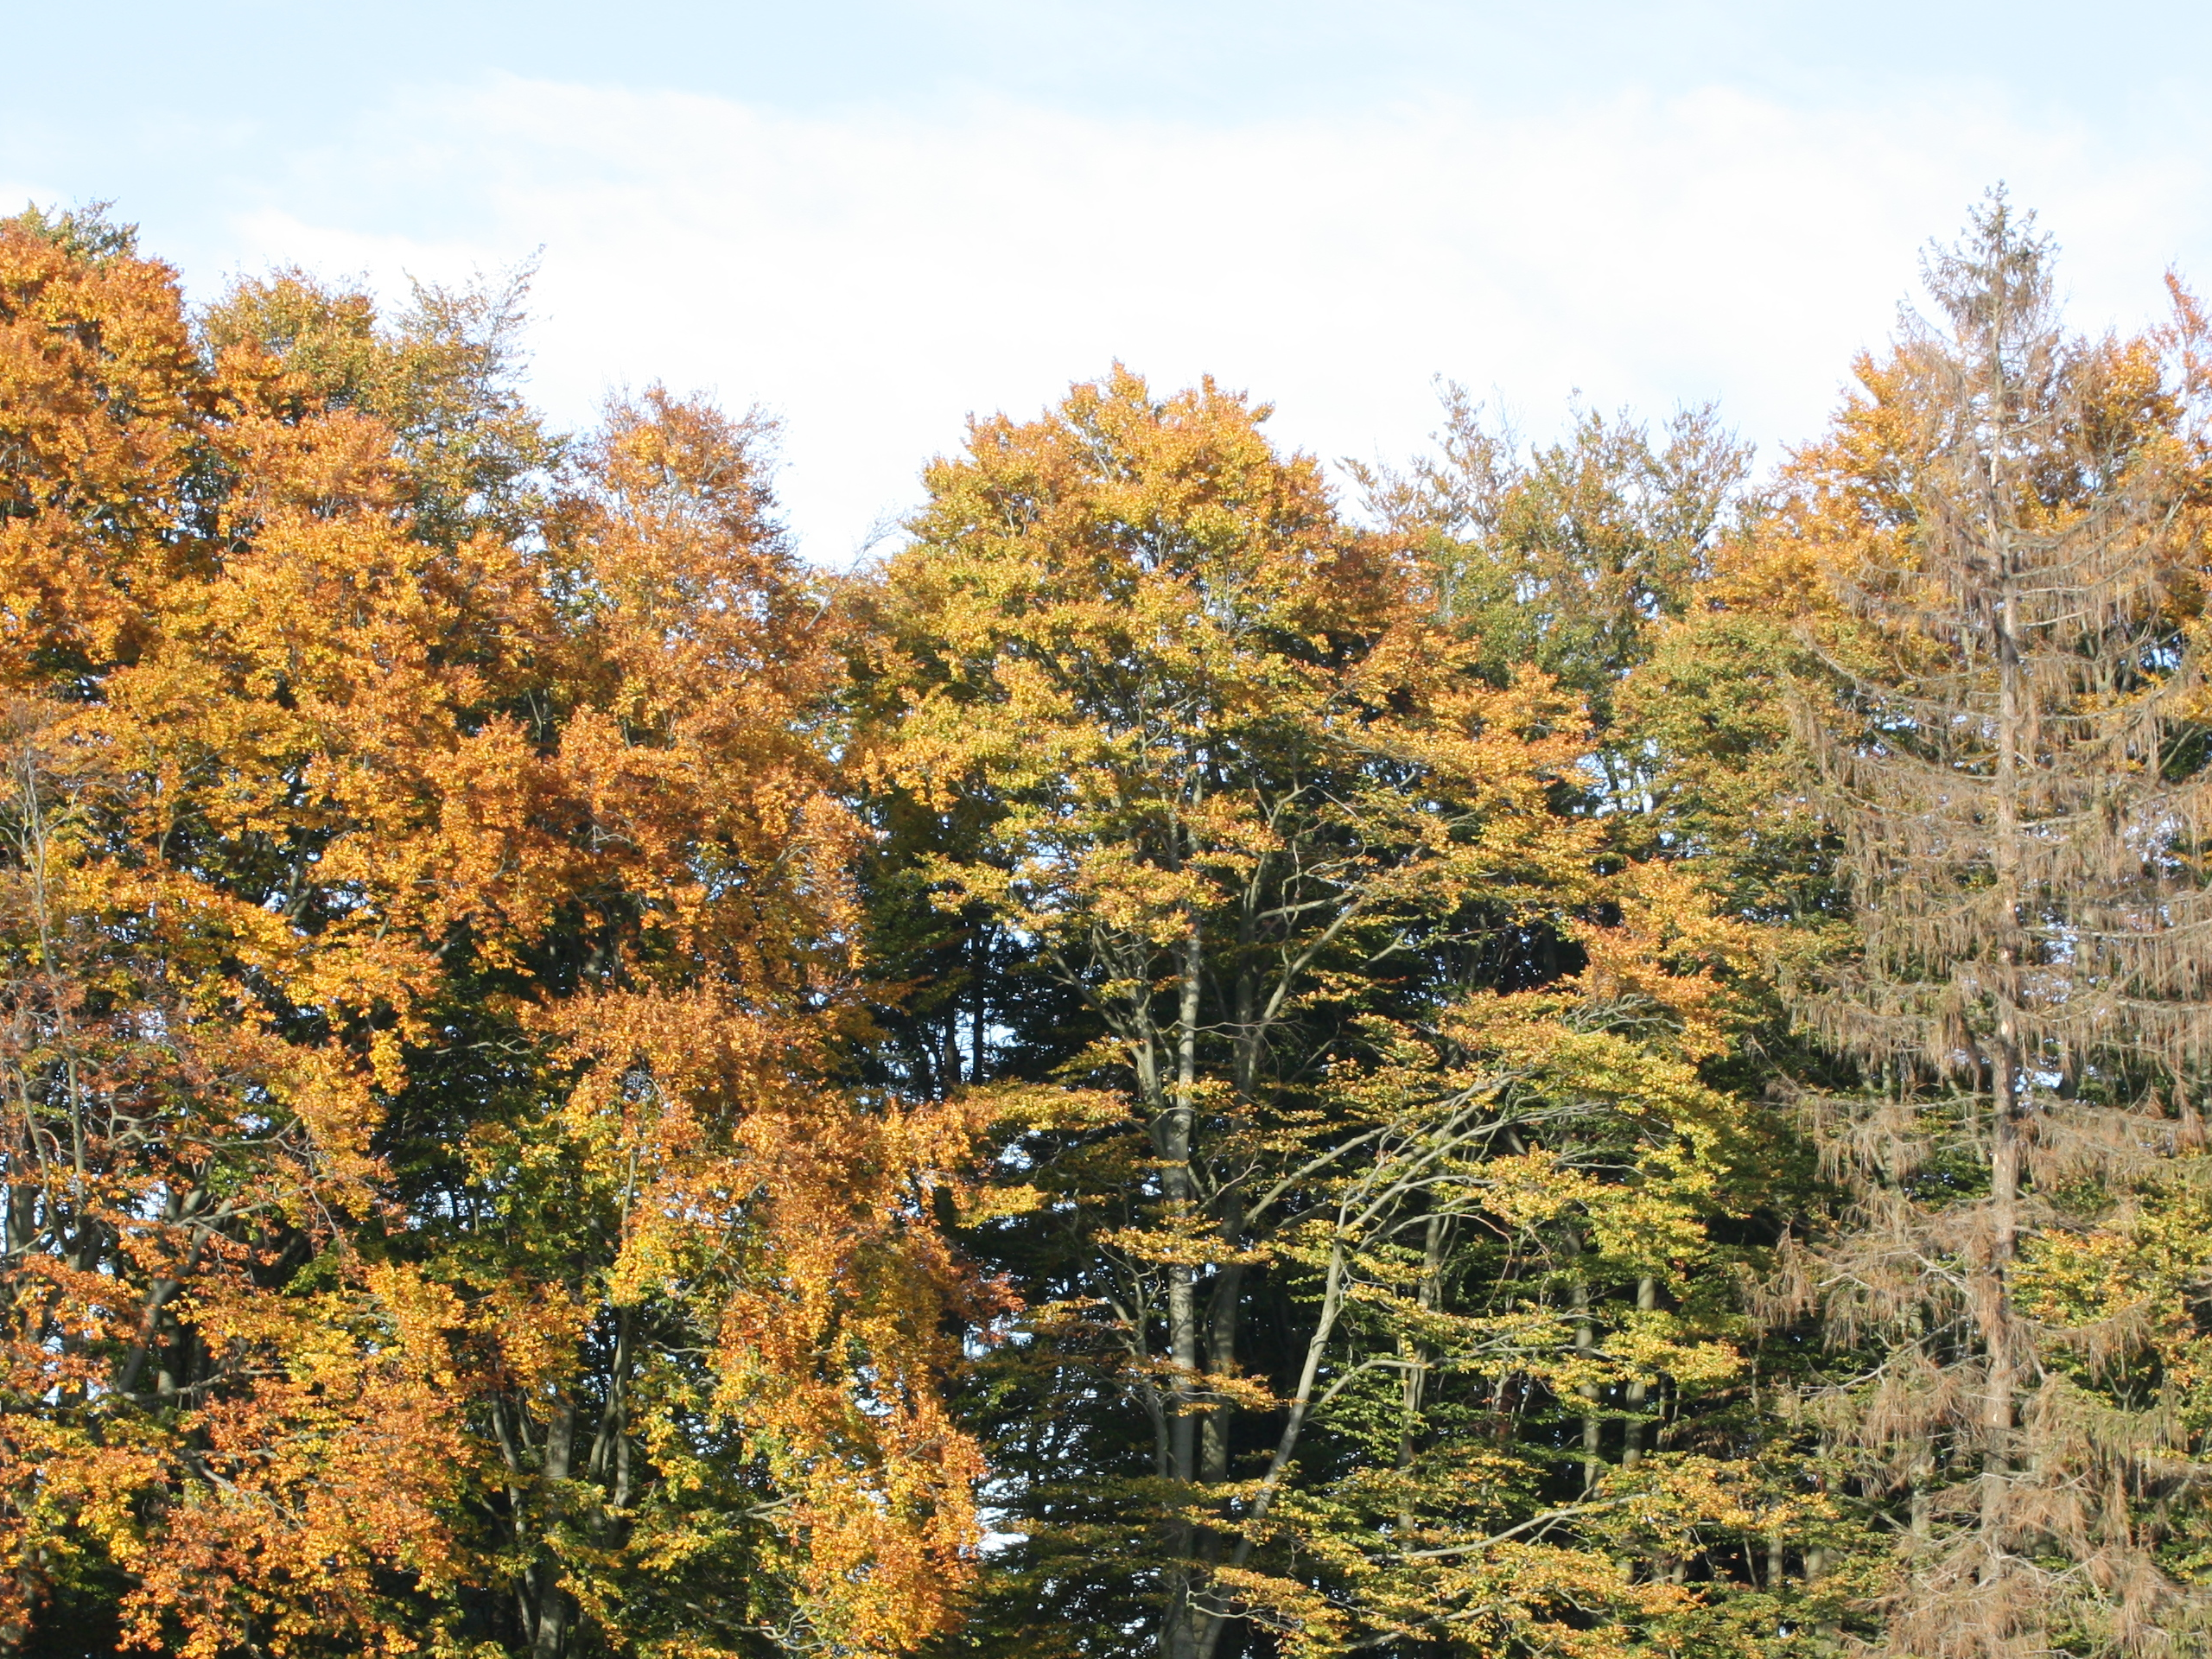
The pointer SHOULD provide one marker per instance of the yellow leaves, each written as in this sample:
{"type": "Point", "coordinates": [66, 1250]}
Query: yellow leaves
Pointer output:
{"type": "Point", "coordinates": [879, 1479]}
{"type": "Point", "coordinates": [532, 1327]}
{"type": "Point", "coordinates": [1534, 1188]}
{"type": "Point", "coordinates": [980, 1203]}
{"type": "Point", "coordinates": [1303, 1618]}
{"type": "Point", "coordinates": [1671, 949]}
{"type": "Point", "coordinates": [1027, 1106]}
{"type": "Point", "coordinates": [1517, 1597]}
{"type": "Point", "coordinates": [1671, 1498]}
{"type": "Point", "coordinates": [1655, 1225]}
{"type": "Point", "coordinates": [1203, 753]}
{"type": "Point", "coordinates": [1625, 1035]}
{"type": "Point", "coordinates": [1190, 1244]}
{"type": "Point", "coordinates": [1136, 628]}
{"type": "Point", "coordinates": [291, 1496]}
{"type": "Point", "coordinates": [1115, 467]}
{"type": "Point", "coordinates": [1193, 1391]}
{"type": "Point", "coordinates": [1648, 1346]}
{"type": "Point", "coordinates": [2113, 1298]}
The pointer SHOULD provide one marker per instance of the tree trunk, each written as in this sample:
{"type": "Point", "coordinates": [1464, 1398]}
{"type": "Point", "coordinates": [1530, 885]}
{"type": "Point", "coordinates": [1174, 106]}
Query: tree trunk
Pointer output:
{"type": "Point", "coordinates": [1585, 1344]}
{"type": "Point", "coordinates": [1181, 1626]}
{"type": "Point", "coordinates": [1301, 1402]}
{"type": "Point", "coordinates": [1993, 1296]}
{"type": "Point", "coordinates": [552, 1600]}
{"type": "Point", "coordinates": [1639, 1391]}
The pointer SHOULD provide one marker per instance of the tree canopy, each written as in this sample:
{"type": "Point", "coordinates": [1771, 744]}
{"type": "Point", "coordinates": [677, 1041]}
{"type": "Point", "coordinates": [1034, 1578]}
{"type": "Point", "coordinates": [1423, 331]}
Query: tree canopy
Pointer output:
{"type": "Point", "coordinates": [1544, 1049]}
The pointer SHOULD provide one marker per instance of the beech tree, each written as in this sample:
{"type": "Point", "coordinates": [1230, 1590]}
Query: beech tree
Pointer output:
{"type": "Point", "coordinates": [1309, 1146]}
{"type": "Point", "coordinates": [1566, 556]}
{"type": "Point", "coordinates": [433, 1215]}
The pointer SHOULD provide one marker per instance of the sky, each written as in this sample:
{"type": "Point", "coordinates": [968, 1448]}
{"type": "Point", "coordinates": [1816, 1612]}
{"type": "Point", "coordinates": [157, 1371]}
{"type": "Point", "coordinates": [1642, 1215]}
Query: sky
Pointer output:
{"type": "Point", "coordinates": [877, 218]}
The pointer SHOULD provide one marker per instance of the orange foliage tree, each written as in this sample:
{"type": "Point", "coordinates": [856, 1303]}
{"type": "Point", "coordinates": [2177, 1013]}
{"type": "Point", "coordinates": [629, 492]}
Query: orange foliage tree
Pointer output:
{"type": "Point", "coordinates": [432, 1220]}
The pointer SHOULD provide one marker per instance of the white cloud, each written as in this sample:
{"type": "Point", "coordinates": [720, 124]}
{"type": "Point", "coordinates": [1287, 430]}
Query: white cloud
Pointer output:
{"type": "Point", "coordinates": [875, 277]}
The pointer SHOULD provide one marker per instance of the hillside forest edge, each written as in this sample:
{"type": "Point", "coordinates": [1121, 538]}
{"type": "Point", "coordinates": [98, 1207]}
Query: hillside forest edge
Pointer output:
{"type": "Point", "coordinates": [1562, 1049]}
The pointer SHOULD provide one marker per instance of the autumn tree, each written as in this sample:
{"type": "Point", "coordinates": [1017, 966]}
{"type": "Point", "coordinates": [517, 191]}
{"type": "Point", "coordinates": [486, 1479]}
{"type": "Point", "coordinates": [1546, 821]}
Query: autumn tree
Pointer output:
{"type": "Point", "coordinates": [442, 375]}
{"type": "Point", "coordinates": [1262, 846]}
{"type": "Point", "coordinates": [434, 1218]}
{"type": "Point", "coordinates": [219, 1427]}
{"type": "Point", "coordinates": [1566, 556]}
{"type": "Point", "coordinates": [1614, 557]}
{"type": "Point", "coordinates": [712, 1376]}
{"type": "Point", "coordinates": [2002, 539]}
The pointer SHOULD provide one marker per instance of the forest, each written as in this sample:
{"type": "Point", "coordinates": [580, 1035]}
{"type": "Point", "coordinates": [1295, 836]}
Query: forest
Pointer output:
{"type": "Point", "coordinates": [1565, 1050]}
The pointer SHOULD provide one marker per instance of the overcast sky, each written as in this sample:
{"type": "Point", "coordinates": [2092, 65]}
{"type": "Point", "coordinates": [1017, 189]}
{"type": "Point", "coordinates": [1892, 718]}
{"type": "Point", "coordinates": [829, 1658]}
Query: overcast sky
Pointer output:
{"type": "Point", "coordinates": [876, 218]}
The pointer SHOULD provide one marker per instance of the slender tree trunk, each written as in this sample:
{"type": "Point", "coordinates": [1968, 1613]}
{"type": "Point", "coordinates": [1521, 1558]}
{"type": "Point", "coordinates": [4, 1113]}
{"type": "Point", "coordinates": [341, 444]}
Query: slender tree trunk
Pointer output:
{"type": "Point", "coordinates": [552, 1600]}
{"type": "Point", "coordinates": [1413, 1383]}
{"type": "Point", "coordinates": [613, 1422]}
{"type": "Point", "coordinates": [1993, 1296]}
{"type": "Point", "coordinates": [1226, 1303]}
{"type": "Point", "coordinates": [1586, 1346]}
{"type": "Point", "coordinates": [1639, 1391]}
{"type": "Point", "coordinates": [979, 955]}
{"type": "Point", "coordinates": [949, 1052]}
{"type": "Point", "coordinates": [1181, 1630]}
{"type": "Point", "coordinates": [1301, 1402]}
{"type": "Point", "coordinates": [1221, 1342]}
{"type": "Point", "coordinates": [1827, 1634]}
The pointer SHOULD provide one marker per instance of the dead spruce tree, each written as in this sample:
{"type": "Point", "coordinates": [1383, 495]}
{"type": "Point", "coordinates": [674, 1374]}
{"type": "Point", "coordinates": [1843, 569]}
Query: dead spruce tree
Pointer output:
{"type": "Point", "coordinates": [2001, 543]}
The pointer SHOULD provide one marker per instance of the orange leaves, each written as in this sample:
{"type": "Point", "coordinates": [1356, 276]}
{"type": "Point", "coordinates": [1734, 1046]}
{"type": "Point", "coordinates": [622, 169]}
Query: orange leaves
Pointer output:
{"type": "Point", "coordinates": [100, 416]}
{"type": "Point", "coordinates": [277, 1503]}
{"type": "Point", "coordinates": [1672, 951]}
{"type": "Point", "coordinates": [423, 961]}
{"type": "Point", "coordinates": [338, 1464]}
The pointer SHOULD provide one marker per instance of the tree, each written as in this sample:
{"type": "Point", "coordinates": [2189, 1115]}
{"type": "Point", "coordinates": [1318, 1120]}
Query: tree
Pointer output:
{"type": "Point", "coordinates": [716, 1307]}
{"type": "Point", "coordinates": [2004, 533]}
{"type": "Point", "coordinates": [219, 1423]}
{"type": "Point", "coordinates": [473, 456]}
{"type": "Point", "coordinates": [1195, 752]}
{"type": "Point", "coordinates": [434, 1214]}
{"type": "Point", "coordinates": [1566, 556]}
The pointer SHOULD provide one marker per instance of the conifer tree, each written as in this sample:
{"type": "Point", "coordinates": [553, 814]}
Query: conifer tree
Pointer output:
{"type": "Point", "coordinates": [2002, 541]}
